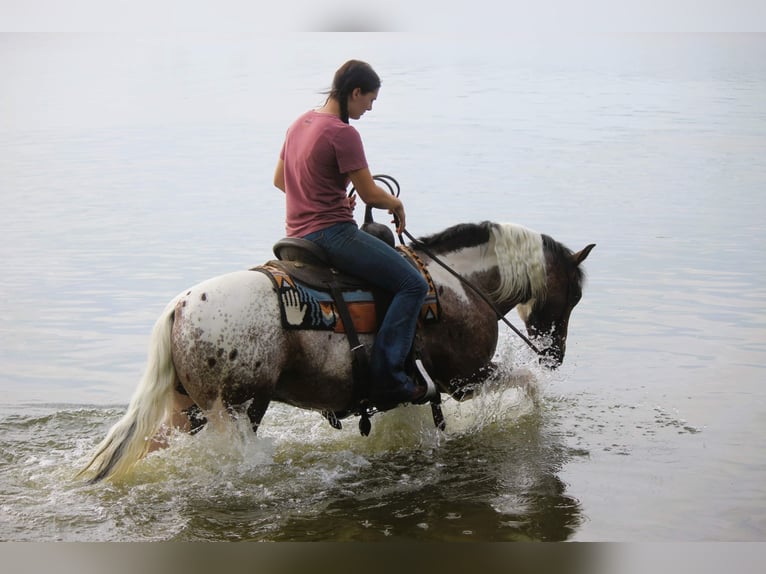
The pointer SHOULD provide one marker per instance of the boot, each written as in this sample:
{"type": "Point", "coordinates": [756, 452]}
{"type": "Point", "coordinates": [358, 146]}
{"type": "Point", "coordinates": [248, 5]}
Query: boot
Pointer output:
{"type": "Point", "coordinates": [419, 390]}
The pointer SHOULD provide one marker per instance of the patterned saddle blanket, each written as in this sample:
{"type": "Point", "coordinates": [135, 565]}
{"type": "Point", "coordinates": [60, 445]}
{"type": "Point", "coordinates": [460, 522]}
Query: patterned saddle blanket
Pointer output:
{"type": "Point", "coordinates": [306, 295]}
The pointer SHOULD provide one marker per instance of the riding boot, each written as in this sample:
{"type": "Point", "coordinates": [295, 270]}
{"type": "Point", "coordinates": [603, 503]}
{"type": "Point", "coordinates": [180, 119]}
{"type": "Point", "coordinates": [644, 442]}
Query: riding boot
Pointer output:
{"type": "Point", "coordinates": [418, 389]}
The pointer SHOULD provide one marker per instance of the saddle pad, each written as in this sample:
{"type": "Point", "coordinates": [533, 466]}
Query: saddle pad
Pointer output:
{"type": "Point", "coordinates": [304, 306]}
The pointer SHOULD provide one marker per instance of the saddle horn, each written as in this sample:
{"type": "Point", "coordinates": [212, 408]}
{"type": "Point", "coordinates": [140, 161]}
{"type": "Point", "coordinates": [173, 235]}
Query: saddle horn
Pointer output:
{"type": "Point", "coordinates": [379, 230]}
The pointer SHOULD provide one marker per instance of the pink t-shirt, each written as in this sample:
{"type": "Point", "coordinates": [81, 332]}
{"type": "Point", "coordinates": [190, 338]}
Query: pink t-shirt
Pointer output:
{"type": "Point", "coordinates": [318, 153]}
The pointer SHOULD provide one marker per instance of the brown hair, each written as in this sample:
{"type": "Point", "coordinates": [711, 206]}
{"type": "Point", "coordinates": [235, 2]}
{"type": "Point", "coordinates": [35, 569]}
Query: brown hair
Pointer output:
{"type": "Point", "coordinates": [351, 75]}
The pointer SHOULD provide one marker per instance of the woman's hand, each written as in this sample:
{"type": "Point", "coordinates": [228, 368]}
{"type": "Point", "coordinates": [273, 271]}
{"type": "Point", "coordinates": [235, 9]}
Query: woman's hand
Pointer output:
{"type": "Point", "coordinates": [374, 195]}
{"type": "Point", "coordinates": [399, 217]}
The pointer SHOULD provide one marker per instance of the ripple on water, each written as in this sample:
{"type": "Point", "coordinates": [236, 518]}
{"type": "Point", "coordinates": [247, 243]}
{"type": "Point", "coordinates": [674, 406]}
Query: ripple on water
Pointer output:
{"type": "Point", "coordinates": [228, 484]}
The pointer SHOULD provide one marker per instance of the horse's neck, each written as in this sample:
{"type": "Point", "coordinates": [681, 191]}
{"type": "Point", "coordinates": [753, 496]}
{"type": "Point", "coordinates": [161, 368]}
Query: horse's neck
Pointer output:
{"type": "Point", "coordinates": [472, 264]}
{"type": "Point", "coordinates": [474, 260]}
{"type": "Point", "coordinates": [479, 266]}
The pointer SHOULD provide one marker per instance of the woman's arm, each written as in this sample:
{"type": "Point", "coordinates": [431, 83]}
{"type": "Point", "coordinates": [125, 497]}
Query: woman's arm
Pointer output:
{"type": "Point", "coordinates": [279, 175]}
{"type": "Point", "coordinates": [374, 195]}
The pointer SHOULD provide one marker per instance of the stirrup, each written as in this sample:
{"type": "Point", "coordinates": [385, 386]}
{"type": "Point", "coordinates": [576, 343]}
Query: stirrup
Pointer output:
{"type": "Point", "coordinates": [432, 393]}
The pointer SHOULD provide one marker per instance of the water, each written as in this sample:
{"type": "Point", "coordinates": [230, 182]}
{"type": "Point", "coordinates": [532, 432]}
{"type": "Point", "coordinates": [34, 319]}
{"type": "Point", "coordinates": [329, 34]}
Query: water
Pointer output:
{"type": "Point", "coordinates": [131, 169]}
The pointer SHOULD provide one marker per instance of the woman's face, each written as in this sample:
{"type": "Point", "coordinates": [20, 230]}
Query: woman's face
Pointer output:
{"type": "Point", "coordinates": [359, 102]}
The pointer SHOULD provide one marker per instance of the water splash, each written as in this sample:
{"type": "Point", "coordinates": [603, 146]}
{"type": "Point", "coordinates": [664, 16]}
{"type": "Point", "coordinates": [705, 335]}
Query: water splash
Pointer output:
{"type": "Point", "coordinates": [227, 483]}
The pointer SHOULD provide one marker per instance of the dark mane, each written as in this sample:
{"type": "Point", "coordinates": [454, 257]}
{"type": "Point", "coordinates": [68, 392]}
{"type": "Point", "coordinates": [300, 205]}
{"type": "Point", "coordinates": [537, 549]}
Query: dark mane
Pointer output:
{"type": "Point", "coordinates": [459, 237]}
{"type": "Point", "coordinates": [562, 253]}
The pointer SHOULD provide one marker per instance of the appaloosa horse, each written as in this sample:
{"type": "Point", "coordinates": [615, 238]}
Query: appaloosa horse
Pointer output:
{"type": "Point", "coordinates": [244, 339]}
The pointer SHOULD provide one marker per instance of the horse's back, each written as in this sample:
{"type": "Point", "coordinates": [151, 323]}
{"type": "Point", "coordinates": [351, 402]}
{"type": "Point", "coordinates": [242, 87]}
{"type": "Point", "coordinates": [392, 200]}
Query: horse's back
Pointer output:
{"type": "Point", "coordinates": [228, 305]}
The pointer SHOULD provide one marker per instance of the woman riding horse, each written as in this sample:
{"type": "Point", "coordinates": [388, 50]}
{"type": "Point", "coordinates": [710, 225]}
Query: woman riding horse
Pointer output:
{"type": "Point", "coordinates": [320, 154]}
{"type": "Point", "coordinates": [221, 347]}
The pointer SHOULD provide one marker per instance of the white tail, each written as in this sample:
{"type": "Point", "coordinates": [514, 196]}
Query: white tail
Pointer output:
{"type": "Point", "coordinates": [129, 439]}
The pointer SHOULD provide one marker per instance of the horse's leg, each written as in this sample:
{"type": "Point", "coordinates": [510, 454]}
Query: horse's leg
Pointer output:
{"type": "Point", "coordinates": [255, 411]}
{"type": "Point", "coordinates": [184, 415]}
{"type": "Point", "coordinates": [464, 388]}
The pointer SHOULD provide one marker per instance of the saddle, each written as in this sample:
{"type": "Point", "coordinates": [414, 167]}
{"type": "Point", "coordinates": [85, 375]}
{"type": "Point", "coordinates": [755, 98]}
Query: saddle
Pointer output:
{"type": "Point", "coordinates": [314, 295]}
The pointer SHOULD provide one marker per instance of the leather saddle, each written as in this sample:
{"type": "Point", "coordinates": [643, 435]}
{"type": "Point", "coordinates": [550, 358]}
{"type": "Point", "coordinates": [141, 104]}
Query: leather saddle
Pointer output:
{"type": "Point", "coordinates": [307, 262]}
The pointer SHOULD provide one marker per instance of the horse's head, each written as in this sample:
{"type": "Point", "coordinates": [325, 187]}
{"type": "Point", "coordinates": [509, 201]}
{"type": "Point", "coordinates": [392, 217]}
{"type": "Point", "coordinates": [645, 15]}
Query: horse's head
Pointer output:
{"type": "Point", "coordinates": [547, 318]}
{"type": "Point", "coordinates": [518, 267]}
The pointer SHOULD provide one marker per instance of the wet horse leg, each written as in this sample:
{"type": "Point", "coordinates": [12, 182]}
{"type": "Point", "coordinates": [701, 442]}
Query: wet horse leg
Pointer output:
{"type": "Point", "coordinates": [255, 411]}
{"type": "Point", "coordinates": [184, 415]}
{"type": "Point", "coordinates": [464, 388]}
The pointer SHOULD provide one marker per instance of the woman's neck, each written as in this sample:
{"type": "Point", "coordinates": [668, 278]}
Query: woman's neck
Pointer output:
{"type": "Point", "coordinates": [331, 106]}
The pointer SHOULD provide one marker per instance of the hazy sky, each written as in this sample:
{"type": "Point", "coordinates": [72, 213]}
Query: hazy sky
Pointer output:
{"type": "Point", "coordinates": [496, 16]}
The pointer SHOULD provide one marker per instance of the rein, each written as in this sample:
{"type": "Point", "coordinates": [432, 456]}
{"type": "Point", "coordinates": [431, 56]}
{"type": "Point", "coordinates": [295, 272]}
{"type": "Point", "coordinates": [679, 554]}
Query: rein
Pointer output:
{"type": "Point", "coordinates": [473, 287]}
{"type": "Point", "coordinates": [387, 180]}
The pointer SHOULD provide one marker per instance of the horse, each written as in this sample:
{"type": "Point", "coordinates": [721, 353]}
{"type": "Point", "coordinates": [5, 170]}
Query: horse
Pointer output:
{"type": "Point", "coordinates": [220, 348]}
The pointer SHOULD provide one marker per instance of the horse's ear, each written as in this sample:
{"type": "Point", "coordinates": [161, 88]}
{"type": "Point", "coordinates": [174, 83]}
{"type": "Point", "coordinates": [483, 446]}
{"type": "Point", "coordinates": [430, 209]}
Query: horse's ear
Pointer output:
{"type": "Point", "coordinates": [580, 256]}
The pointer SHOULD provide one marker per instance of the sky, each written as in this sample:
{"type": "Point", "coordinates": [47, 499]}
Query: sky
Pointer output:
{"type": "Point", "coordinates": [475, 16]}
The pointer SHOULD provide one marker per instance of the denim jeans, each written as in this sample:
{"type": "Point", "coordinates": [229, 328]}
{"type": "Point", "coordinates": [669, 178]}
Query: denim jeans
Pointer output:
{"type": "Point", "coordinates": [354, 251]}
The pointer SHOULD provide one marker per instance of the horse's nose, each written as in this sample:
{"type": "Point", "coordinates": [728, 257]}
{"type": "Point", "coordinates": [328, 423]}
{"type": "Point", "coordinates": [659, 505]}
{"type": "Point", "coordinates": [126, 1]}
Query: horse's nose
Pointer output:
{"type": "Point", "coordinates": [552, 357]}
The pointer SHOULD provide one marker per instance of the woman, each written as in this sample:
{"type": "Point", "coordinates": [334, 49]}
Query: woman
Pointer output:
{"type": "Point", "coordinates": [320, 155]}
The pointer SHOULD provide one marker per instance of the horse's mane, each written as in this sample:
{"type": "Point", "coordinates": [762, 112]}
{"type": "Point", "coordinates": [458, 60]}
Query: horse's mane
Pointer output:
{"type": "Point", "coordinates": [458, 237]}
{"type": "Point", "coordinates": [519, 253]}
{"type": "Point", "coordinates": [521, 262]}
{"type": "Point", "coordinates": [562, 253]}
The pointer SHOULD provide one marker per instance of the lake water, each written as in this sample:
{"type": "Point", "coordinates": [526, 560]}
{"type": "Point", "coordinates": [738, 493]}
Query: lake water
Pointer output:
{"type": "Point", "coordinates": [132, 168]}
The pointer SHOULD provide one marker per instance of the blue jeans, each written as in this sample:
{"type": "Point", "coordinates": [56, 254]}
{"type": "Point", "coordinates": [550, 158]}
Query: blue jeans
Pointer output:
{"type": "Point", "coordinates": [354, 251]}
